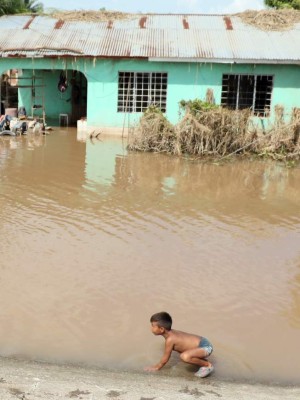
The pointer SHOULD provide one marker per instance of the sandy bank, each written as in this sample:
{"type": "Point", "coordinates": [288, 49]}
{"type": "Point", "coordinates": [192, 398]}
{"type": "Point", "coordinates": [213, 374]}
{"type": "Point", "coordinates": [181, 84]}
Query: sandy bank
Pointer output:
{"type": "Point", "coordinates": [32, 380]}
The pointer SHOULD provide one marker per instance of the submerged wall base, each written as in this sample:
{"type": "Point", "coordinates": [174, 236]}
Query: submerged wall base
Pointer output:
{"type": "Point", "coordinates": [84, 131]}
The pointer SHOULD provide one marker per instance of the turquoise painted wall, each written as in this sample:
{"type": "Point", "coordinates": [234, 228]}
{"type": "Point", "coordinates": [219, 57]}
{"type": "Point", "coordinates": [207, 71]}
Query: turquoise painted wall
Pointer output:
{"type": "Point", "coordinates": [185, 81]}
{"type": "Point", "coordinates": [55, 102]}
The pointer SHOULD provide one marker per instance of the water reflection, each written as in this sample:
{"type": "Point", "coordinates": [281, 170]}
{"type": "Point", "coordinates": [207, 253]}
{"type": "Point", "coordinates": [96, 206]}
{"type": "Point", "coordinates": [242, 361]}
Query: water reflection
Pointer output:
{"type": "Point", "coordinates": [293, 314]}
{"type": "Point", "coordinates": [252, 188]}
{"type": "Point", "coordinates": [94, 240]}
{"type": "Point", "coordinates": [35, 140]}
{"type": "Point", "coordinates": [100, 161]}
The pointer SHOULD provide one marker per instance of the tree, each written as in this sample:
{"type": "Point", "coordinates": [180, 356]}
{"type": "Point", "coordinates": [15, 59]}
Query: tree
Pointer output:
{"type": "Point", "coordinates": [11, 6]}
{"type": "Point", "coordinates": [279, 4]}
{"type": "Point", "coordinates": [33, 6]}
{"type": "Point", "coordinates": [8, 7]}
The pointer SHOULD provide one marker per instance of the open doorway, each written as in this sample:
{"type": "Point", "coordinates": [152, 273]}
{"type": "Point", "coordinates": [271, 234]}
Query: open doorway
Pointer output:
{"type": "Point", "coordinates": [39, 94]}
{"type": "Point", "coordinates": [9, 91]}
{"type": "Point", "coordinates": [78, 85]}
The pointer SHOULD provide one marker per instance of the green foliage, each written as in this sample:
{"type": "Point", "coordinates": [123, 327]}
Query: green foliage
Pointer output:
{"type": "Point", "coordinates": [279, 4]}
{"type": "Point", "coordinates": [152, 110]}
{"type": "Point", "coordinates": [9, 7]}
{"type": "Point", "coordinates": [196, 106]}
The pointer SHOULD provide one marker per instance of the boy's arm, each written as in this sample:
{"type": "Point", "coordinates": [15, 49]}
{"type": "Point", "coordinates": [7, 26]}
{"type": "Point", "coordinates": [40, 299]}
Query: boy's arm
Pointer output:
{"type": "Point", "coordinates": [165, 358]}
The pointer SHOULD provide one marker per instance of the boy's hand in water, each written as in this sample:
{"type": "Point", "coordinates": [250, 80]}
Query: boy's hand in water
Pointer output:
{"type": "Point", "coordinates": [151, 369]}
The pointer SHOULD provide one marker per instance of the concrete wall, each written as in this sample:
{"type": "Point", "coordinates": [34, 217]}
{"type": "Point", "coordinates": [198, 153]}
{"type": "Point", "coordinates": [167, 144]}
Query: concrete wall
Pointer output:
{"type": "Point", "coordinates": [54, 101]}
{"type": "Point", "coordinates": [185, 81]}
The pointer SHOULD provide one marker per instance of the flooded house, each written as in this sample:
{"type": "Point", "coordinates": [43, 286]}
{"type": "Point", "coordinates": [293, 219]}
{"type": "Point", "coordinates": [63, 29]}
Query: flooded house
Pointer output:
{"type": "Point", "coordinates": [106, 68]}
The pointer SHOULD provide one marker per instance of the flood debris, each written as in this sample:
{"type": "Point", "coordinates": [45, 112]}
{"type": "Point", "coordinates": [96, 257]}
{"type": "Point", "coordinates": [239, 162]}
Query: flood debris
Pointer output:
{"type": "Point", "coordinates": [95, 134]}
{"type": "Point", "coordinates": [153, 133]}
{"type": "Point", "coordinates": [216, 132]}
{"type": "Point", "coordinates": [91, 16]}
{"type": "Point", "coordinates": [271, 20]}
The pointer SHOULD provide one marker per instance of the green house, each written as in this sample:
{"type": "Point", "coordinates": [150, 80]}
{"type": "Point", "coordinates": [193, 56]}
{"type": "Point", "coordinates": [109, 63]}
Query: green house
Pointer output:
{"type": "Point", "coordinates": [109, 71]}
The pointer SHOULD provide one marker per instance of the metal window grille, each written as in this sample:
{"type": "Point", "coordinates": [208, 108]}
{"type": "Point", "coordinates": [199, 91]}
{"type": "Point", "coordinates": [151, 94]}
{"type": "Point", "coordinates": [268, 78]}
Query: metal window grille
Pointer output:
{"type": "Point", "coordinates": [139, 90]}
{"type": "Point", "coordinates": [247, 91]}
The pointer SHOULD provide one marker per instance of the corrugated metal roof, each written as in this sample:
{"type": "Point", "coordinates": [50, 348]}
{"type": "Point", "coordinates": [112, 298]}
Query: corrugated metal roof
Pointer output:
{"type": "Point", "coordinates": [211, 38]}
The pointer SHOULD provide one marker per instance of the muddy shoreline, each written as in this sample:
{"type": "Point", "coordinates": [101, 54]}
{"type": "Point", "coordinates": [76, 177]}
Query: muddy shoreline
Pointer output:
{"type": "Point", "coordinates": [29, 380]}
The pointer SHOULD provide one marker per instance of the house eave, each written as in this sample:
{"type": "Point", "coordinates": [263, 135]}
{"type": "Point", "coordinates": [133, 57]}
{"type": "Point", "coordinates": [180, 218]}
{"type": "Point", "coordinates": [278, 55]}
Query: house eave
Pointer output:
{"type": "Point", "coordinates": [223, 61]}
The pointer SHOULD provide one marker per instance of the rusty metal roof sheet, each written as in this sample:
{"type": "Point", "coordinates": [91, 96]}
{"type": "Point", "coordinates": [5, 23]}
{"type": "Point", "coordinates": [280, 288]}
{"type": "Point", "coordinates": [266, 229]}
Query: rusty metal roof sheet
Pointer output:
{"type": "Point", "coordinates": [192, 38]}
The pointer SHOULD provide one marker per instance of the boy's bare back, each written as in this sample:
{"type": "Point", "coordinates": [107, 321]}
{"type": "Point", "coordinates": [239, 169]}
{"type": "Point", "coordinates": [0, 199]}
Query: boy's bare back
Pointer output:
{"type": "Point", "coordinates": [182, 341]}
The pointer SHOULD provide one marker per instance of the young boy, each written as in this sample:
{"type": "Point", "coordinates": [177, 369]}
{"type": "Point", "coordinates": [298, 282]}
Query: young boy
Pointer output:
{"type": "Point", "coordinates": [193, 349]}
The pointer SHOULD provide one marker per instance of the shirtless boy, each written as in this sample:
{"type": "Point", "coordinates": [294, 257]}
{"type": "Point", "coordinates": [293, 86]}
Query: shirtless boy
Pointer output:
{"type": "Point", "coordinates": [193, 349]}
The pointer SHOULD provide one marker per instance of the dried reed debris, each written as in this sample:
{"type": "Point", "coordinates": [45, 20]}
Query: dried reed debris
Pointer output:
{"type": "Point", "coordinates": [217, 132]}
{"type": "Point", "coordinates": [271, 20]}
{"type": "Point", "coordinates": [91, 16]}
{"type": "Point", "coordinates": [153, 133]}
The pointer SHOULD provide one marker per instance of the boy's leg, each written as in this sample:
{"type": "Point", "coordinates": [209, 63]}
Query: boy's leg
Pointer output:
{"type": "Point", "coordinates": [196, 357]}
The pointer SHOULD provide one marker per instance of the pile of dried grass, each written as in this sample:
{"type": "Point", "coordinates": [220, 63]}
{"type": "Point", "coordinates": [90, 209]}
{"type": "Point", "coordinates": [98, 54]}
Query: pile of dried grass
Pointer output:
{"type": "Point", "coordinates": [284, 141]}
{"type": "Point", "coordinates": [271, 20]}
{"type": "Point", "coordinates": [217, 132]}
{"type": "Point", "coordinates": [153, 133]}
{"type": "Point", "coordinates": [91, 16]}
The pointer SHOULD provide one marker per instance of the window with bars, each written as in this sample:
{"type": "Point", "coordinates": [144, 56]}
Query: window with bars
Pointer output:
{"type": "Point", "coordinates": [139, 90]}
{"type": "Point", "coordinates": [247, 91]}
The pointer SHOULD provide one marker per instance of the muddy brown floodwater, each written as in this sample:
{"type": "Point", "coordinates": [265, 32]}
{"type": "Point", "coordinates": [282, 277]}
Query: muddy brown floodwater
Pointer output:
{"type": "Point", "coordinates": [94, 240]}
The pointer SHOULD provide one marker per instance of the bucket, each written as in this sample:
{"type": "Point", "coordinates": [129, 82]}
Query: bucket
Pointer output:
{"type": "Point", "coordinates": [81, 125]}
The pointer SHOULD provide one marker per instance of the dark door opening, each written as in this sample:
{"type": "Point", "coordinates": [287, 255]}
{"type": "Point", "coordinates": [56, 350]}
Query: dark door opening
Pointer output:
{"type": "Point", "coordinates": [78, 85]}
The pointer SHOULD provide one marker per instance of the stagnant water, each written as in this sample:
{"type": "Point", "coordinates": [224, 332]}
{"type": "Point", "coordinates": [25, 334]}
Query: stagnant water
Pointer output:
{"type": "Point", "coordinates": [94, 240]}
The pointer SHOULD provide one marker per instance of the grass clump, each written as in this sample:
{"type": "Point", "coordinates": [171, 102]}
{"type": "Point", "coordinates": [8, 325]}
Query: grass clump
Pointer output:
{"type": "Point", "coordinates": [210, 130]}
{"type": "Point", "coordinates": [153, 133]}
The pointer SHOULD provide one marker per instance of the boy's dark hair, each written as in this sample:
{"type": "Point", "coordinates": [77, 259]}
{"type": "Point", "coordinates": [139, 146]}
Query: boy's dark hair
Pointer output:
{"type": "Point", "coordinates": [163, 319]}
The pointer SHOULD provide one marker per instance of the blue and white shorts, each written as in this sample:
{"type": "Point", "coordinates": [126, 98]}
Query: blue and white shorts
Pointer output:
{"type": "Point", "coordinates": [206, 345]}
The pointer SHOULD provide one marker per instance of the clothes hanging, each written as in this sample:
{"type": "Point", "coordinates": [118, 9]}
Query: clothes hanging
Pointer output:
{"type": "Point", "coordinates": [62, 83]}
